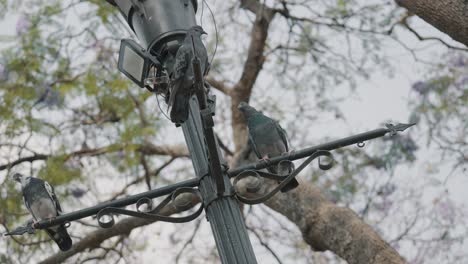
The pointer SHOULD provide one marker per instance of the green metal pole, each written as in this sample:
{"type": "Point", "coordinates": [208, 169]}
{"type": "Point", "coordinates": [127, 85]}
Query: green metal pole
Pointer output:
{"type": "Point", "coordinates": [223, 211]}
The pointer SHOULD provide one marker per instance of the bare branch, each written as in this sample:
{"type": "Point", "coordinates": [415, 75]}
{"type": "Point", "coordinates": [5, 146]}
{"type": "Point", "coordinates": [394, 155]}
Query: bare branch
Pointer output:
{"type": "Point", "coordinates": [172, 150]}
{"type": "Point", "coordinates": [449, 16]}
{"type": "Point", "coordinates": [219, 85]}
{"type": "Point", "coordinates": [25, 159]}
{"type": "Point", "coordinates": [147, 171]}
{"type": "Point", "coordinates": [265, 244]}
{"type": "Point", "coordinates": [421, 38]}
{"type": "Point", "coordinates": [190, 240]}
{"type": "Point", "coordinates": [140, 179]}
{"type": "Point", "coordinates": [147, 149]}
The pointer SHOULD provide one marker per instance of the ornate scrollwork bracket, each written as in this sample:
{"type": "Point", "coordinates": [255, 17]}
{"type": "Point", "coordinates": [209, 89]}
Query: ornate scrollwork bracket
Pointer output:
{"type": "Point", "coordinates": [106, 220]}
{"type": "Point", "coordinates": [21, 230]}
{"type": "Point", "coordinates": [29, 228]}
{"type": "Point", "coordinates": [283, 179]}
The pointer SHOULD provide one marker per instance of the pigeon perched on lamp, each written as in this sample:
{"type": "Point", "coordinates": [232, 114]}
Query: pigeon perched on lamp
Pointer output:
{"type": "Point", "coordinates": [183, 76]}
{"type": "Point", "coordinates": [41, 201]}
{"type": "Point", "coordinates": [267, 139]}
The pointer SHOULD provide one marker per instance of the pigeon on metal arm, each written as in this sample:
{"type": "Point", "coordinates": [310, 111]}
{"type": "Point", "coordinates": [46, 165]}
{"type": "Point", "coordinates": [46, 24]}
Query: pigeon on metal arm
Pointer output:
{"type": "Point", "coordinates": [267, 139]}
{"type": "Point", "coordinates": [183, 75]}
{"type": "Point", "coordinates": [41, 201]}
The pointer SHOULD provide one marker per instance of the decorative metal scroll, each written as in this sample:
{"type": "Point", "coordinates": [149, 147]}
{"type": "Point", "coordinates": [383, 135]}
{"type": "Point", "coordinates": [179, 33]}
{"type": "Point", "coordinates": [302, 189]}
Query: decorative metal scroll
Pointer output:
{"type": "Point", "coordinates": [284, 179]}
{"type": "Point", "coordinates": [153, 213]}
{"type": "Point", "coordinates": [21, 230]}
{"type": "Point", "coordinates": [29, 228]}
{"type": "Point", "coordinates": [107, 210]}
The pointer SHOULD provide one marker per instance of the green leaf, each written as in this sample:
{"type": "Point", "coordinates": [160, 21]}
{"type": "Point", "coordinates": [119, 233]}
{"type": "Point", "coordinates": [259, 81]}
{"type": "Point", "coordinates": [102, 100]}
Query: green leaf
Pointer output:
{"type": "Point", "coordinates": [56, 172]}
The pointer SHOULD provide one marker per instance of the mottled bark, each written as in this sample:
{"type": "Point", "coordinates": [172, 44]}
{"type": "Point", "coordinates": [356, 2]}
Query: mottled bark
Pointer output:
{"type": "Point", "coordinates": [449, 16]}
{"type": "Point", "coordinates": [325, 226]}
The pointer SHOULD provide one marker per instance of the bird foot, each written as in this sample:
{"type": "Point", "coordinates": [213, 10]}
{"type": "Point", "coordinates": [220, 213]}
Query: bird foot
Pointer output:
{"type": "Point", "coordinates": [266, 159]}
{"type": "Point", "coordinates": [51, 219]}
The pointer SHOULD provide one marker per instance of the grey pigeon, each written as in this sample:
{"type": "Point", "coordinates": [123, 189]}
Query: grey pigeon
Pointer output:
{"type": "Point", "coordinates": [267, 139]}
{"type": "Point", "coordinates": [183, 74]}
{"type": "Point", "coordinates": [46, 91]}
{"type": "Point", "coordinates": [41, 201]}
{"type": "Point", "coordinates": [47, 96]}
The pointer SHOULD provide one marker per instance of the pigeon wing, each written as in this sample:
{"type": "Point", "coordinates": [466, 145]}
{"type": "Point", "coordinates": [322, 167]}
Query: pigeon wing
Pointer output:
{"type": "Point", "coordinates": [28, 206]}
{"type": "Point", "coordinates": [180, 68]}
{"type": "Point", "coordinates": [181, 62]}
{"type": "Point", "coordinates": [253, 146]}
{"type": "Point", "coordinates": [282, 134]}
{"type": "Point", "coordinates": [53, 197]}
{"type": "Point", "coordinates": [58, 234]}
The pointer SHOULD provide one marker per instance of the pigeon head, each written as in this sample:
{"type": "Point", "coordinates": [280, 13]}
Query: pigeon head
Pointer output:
{"type": "Point", "coordinates": [17, 177]}
{"type": "Point", "coordinates": [247, 110]}
{"type": "Point", "coordinates": [197, 30]}
{"type": "Point", "coordinates": [24, 180]}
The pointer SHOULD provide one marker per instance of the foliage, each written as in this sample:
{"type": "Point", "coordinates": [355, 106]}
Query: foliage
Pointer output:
{"type": "Point", "coordinates": [440, 102]}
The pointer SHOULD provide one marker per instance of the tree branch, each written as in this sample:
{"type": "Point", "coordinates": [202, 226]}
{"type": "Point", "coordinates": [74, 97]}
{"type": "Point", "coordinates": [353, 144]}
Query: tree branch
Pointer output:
{"type": "Point", "coordinates": [172, 150]}
{"type": "Point", "coordinates": [154, 173]}
{"type": "Point", "coordinates": [25, 159]}
{"type": "Point", "coordinates": [147, 149]}
{"type": "Point", "coordinates": [326, 226]}
{"type": "Point", "coordinates": [405, 23]}
{"type": "Point", "coordinates": [449, 16]}
{"type": "Point", "coordinates": [219, 85]}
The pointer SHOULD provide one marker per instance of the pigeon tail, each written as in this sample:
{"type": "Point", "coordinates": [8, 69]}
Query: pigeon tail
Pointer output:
{"type": "Point", "coordinates": [180, 105]}
{"type": "Point", "coordinates": [61, 237]}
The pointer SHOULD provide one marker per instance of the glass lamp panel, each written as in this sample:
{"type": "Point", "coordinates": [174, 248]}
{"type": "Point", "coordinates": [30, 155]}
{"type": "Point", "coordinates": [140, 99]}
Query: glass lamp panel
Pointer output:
{"type": "Point", "coordinates": [133, 64]}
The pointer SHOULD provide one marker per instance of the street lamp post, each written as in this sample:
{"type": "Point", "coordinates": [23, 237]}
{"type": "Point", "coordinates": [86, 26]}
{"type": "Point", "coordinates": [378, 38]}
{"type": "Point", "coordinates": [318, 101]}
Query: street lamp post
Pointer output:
{"type": "Point", "coordinates": [222, 210]}
{"type": "Point", "coordinates": [161, 25]}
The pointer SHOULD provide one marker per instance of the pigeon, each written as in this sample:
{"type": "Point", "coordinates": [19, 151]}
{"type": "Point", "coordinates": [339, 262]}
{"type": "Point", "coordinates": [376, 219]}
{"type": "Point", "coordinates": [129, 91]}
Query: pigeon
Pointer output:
{"type": "Point", "coordinates": [267, 139]}
{"type": "Point", "coordinates": [183, 74]}
{"type": "Point", "coordinates": [41, 201]}
{"type": "Point", "coordinates": [47, 96]}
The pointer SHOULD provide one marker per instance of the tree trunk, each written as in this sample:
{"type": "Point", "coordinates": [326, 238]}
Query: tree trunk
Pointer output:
{"type": "Point", "coordinates": [449, 16]}
{"type": "Point", "coordinates": [325, 226]}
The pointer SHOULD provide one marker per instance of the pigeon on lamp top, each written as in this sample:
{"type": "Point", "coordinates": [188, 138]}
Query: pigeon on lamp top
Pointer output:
{"type": "Point", "coordinates": [267, 139]}
{"type": "Point", "coordinates": [41, 201]}
{"type": "Point", "coordinates": [183, 75]}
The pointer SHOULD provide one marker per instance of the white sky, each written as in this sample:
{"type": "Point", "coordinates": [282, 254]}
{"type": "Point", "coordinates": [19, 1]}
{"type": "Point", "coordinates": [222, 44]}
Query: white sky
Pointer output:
{"type": "Point", "coordinates": [379, 99]}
